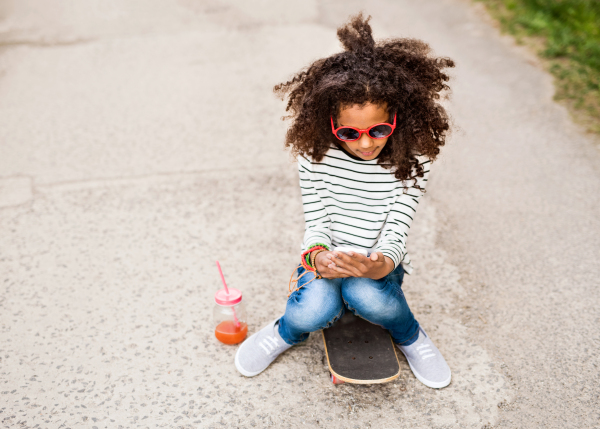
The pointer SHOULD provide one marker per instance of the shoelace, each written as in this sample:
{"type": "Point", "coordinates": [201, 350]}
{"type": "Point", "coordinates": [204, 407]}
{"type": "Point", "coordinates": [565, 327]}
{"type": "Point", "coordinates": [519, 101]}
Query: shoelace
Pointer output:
{"type": "Point", "coordinates": [425, 351]}
{"type": "Point", "coordinates": [268, 344]}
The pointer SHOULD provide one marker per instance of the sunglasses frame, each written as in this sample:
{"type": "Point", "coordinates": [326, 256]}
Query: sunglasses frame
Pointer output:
{"type": "Point", "coordinates": [360, 132]}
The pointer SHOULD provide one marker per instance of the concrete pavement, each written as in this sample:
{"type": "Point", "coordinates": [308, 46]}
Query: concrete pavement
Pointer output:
{"type": "Point", "coordinates": [141, 141]}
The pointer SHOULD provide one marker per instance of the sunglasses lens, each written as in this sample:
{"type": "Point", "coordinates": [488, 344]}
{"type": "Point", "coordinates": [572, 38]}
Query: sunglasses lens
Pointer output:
{"type": "Point", "coordinates": [347, 134]}
{"type": "Point", "coordinates": [380, 131]}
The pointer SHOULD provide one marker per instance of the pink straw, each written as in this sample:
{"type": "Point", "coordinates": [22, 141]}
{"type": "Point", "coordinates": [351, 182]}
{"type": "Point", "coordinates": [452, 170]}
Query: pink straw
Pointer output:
{"type": "Point", "coordinates": [237, 322]}
{"type": "Point", "coordinates": [222, 277]}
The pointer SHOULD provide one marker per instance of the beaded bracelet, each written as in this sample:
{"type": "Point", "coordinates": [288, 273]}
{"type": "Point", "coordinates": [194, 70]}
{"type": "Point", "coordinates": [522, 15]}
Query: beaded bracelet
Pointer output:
{"type": "Point", "coordinates": [313, 258]}
{"type": "Point", "coordinates": [308, 266]}
{"type": "Point", "coordinates": [305, 258]}
{"type": "Point", "coordinates": [306, 255]}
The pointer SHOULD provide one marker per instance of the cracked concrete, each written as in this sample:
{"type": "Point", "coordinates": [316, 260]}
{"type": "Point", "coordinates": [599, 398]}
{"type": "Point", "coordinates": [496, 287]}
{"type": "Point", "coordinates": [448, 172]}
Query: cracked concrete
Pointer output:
{"type": "Point", "coordinates": [123, 177]}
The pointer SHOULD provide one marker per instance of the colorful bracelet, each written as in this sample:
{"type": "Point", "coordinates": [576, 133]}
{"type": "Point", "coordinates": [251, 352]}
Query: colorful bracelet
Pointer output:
{"type": "Point", "coordinates": [306, 255]}
{"type": "Point", "coordinates": [305, 258]}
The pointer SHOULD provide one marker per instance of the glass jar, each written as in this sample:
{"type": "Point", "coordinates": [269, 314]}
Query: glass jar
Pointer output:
{"type": "Point", "coordinates": [229, 316]}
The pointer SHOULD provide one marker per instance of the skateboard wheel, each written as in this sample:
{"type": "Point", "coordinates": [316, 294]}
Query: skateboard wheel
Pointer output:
{"type": "Point", "coordinates": [335, 380]}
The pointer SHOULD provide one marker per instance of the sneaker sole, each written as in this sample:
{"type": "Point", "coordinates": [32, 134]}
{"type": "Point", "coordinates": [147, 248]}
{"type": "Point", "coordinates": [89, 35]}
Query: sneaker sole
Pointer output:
{"type": "Point", "coordinates": [432, 384]}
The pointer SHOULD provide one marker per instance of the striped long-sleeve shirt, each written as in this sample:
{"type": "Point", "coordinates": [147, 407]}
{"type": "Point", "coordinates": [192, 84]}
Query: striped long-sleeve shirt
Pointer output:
{"type": "Point", "coordinates": [356, 203]}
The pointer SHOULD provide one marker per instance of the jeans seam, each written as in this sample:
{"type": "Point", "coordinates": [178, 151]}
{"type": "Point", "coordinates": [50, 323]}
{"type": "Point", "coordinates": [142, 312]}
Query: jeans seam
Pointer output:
{"type": "Point", "coordinates": [335, 319]}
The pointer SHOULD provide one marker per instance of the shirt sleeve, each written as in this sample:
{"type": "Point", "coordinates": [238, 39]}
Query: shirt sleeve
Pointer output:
{"type": "Point", "coordinates": [392, 242]}
{"type": "Point", "coordinates": [317, 223]}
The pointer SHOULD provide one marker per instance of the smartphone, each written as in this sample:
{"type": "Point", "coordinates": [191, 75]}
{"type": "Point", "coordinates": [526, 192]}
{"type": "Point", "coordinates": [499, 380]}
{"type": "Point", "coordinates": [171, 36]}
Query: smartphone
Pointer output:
{"type": "Point", "coordinates": [351, 249]}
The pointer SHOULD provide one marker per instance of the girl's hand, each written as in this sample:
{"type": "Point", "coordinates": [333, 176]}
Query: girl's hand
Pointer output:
{"type": "Point", "coordinates": [352, 264]}
{"type": "Point", "coordinates": [323, 263]}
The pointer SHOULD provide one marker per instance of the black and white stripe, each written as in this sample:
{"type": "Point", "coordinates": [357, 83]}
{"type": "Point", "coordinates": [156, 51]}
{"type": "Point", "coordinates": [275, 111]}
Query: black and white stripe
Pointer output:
{"type": "Point", "coordinates": [350, 202]}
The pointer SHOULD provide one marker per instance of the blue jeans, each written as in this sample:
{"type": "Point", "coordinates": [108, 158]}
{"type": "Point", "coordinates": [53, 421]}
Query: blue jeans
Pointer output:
{"type": "Point", "coordinates": [320, 303]}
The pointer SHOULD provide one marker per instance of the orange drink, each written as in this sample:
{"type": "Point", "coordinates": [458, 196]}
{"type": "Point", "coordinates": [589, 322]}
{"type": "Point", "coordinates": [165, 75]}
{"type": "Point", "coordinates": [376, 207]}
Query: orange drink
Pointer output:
{"type": "Point", "coordinates": [227, 332]}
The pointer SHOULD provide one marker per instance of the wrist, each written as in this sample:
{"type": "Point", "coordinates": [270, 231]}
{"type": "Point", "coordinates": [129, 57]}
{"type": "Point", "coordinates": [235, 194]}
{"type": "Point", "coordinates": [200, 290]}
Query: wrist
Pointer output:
{"type": "Point", "coordinates": [313, 257]}
{"type": "Point", "coordinates": [318, 257]}
{"type": "Point", "coordinates": [384, 269]}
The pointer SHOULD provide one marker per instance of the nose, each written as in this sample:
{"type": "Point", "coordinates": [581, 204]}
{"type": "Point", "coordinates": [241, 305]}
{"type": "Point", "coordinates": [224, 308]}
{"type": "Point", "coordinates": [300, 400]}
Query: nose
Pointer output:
{"type": "Point", "coordinates": [365, 141]}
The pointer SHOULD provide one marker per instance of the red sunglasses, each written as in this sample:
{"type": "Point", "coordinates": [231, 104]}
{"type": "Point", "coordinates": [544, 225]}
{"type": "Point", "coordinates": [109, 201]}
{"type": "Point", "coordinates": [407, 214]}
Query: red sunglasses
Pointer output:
{"type": "Point", "coordinates": [350, 134]}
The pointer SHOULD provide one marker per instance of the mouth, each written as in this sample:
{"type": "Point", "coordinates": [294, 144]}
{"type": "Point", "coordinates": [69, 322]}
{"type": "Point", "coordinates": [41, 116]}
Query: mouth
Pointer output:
{"type": "Point", "coordinates": [367, 153]}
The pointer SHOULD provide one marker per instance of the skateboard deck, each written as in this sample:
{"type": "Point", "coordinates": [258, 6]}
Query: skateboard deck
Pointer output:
{"type": "Point", "coordinates": [360, 352]}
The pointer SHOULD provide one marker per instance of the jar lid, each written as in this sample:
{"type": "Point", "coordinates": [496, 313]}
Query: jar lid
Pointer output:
{"type": "Point", "coordinates": [223, 298]}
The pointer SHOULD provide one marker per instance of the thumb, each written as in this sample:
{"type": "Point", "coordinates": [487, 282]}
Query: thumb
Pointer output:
{"type": "Point", "coordinates": [374, 256]}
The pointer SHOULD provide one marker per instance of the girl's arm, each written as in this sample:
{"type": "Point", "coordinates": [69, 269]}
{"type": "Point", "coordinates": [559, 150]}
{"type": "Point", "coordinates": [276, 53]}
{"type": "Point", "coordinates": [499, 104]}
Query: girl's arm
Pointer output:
{"type": "Point", "coordinates": [392, 242]}
{"type": "Point", "coordinates": [316, 219]}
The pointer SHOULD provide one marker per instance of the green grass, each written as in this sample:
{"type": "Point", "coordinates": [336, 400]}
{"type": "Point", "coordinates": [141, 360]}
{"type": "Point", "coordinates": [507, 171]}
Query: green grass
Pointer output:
{"type": "Point", "coordinates": [567, 34]}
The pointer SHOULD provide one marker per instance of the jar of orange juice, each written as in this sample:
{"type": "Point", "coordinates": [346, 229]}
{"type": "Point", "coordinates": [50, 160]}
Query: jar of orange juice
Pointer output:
{"type": "Point", "coordinates": [229, 316]}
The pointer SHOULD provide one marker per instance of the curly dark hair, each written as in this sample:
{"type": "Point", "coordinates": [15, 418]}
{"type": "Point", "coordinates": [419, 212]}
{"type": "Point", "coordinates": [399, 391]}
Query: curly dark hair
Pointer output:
{"type": "Point", "coordinates": [397, 73]}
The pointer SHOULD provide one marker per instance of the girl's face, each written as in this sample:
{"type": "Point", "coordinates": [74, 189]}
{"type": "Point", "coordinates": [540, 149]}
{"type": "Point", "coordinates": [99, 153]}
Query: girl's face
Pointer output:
{"type": "Point", "coordinates": [362, 117]}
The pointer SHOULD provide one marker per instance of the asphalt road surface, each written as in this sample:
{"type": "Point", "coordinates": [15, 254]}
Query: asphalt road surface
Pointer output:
{"type": "Point", "coordinates": [140, 141]}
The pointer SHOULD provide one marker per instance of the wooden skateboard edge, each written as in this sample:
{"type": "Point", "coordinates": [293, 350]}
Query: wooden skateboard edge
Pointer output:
{"type": "Point", "coordinates": [353, 381]}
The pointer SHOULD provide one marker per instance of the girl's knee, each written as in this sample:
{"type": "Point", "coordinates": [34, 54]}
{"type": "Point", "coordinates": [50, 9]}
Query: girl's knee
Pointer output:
{"type": "Point", "coordinates": [316, 308]}
{"type": "Point", "coordinates": [379, 299]}
{"type": "Point", "coordinates": [313, 319]}
{"type": "Point", "coordinates": [364, 290]}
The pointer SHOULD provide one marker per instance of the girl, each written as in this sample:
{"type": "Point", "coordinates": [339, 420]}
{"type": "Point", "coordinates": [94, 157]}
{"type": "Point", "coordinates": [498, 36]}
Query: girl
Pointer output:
{"type": "Point", "coordinates": [366, 126]}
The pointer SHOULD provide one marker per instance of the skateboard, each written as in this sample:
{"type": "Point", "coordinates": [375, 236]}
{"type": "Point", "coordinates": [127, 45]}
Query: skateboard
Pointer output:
{"type": "Point", "coordinates": [360, 352]}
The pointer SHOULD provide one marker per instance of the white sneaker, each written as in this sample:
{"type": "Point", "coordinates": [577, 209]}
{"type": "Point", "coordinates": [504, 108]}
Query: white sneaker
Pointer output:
{"type": "Point", "coordinates": [426, 362]}
{"type": "Point", "coordinates": [260, 350]}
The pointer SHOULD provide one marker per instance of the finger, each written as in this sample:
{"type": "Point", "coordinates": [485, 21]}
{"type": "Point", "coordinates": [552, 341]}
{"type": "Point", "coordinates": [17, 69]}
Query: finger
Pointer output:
{"type": "Point", "coordinates": [325, 271]}
{"type": "Point", "coordinates": [347, 272]}
{"type": "Point", "coordinates": [324, 267]}
{"type": "Point", "coordinates": [357, 260]}
{"type": "Point", "coordinates": [335, 275]}
{"type": "Point", "coordinates": [377, 257]}
{"type": "Point", "coordinates": [340, 256]}
{"type": "Point", "coordinates": [338, 265]}
{"type": "Point", "coordinates": [330, 273]}
{"type": "Point", "coordinates": [322, 261]}
{"type": "Point", "coordinates": [345, 260]}
{"type": "Point", "coordinates": [357, 256]}
{"type": "Point", "coordinates": [355, 266]}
